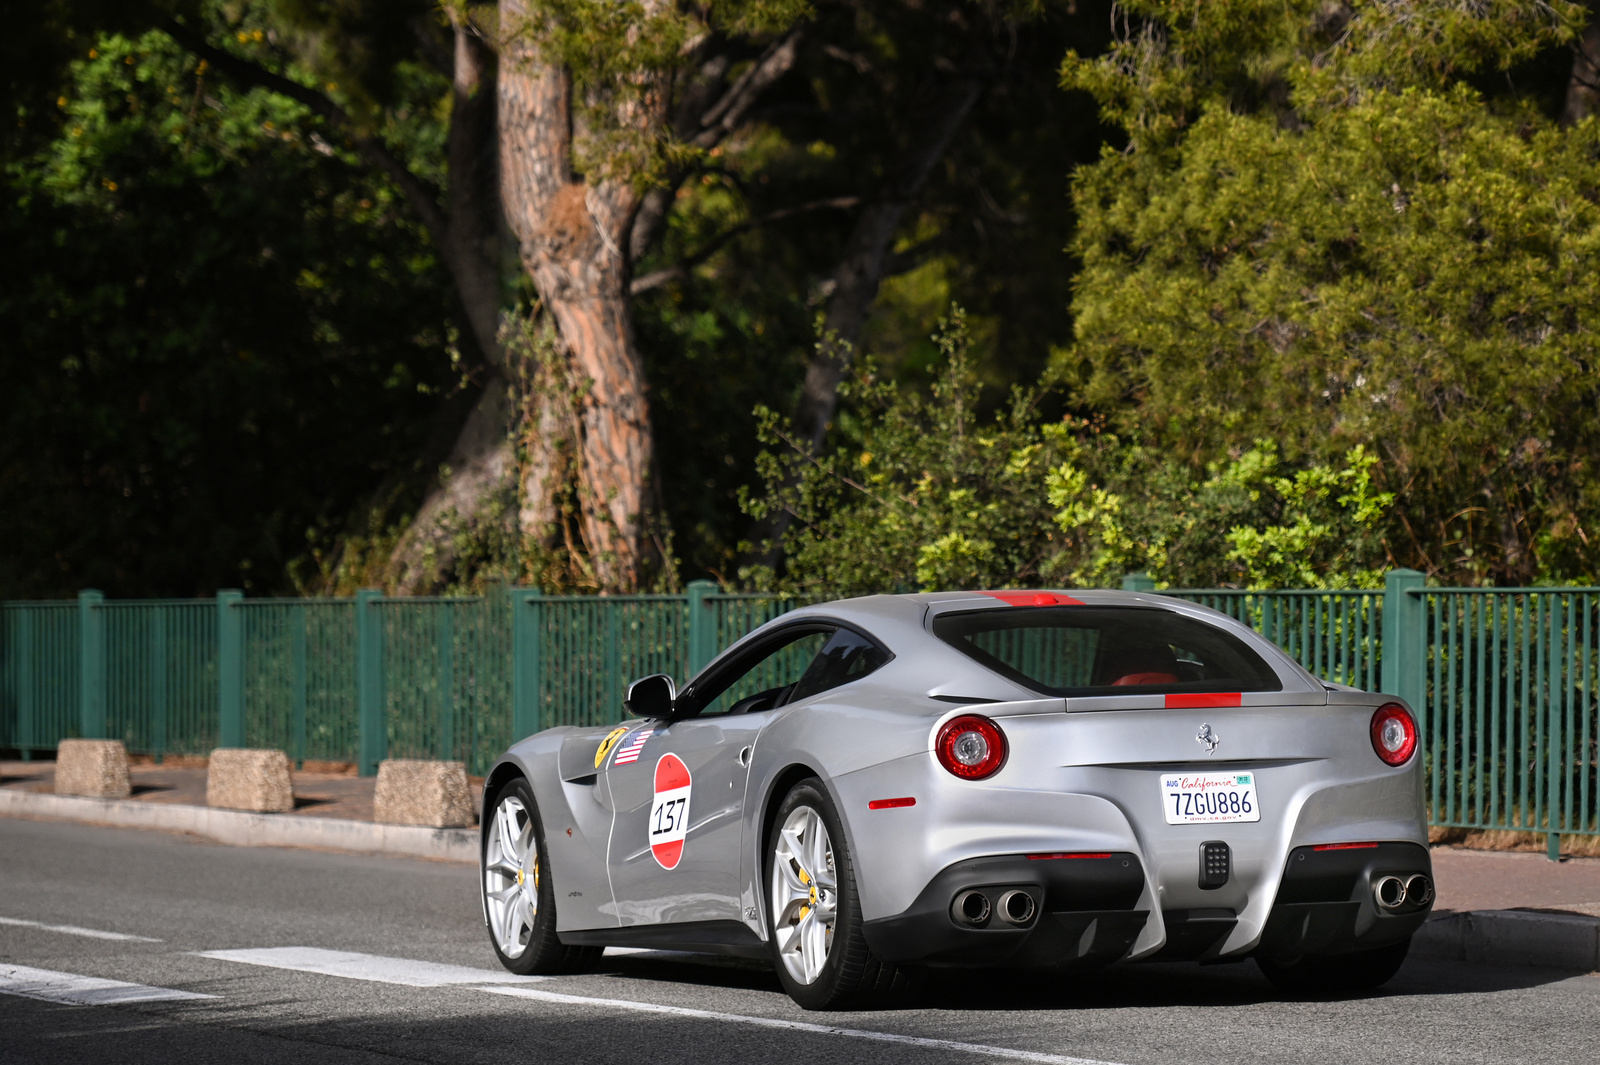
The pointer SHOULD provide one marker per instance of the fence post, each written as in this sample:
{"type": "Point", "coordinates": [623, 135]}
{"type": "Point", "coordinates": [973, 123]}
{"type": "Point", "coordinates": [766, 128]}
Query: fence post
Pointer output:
{"type": "Point", "coordinates": [1138, 582]}
{"type": "Point", "coordinates": [91, 665]}
{"type": "Point", "coordinates": [527, 661]}
{"type": "Point", "coordinates": [230, 669]}
{"type": "Point", "coordinates": [1405, 652]}
{"type": "Point", "coordinates": [702, 626]}
{"type": "Point", "coordinates": [369, 682]}
{"type": "Point", "coordinates": [157, 663]}
{"type": "Point", "coordinates": [22, 667]}
{"type": "Point", "coordinates": [445, 647]}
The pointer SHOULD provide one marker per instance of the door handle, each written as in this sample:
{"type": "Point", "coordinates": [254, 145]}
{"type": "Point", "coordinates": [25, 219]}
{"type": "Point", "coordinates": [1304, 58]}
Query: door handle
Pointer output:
{"type": "Point", "coordinates": [744, 757]}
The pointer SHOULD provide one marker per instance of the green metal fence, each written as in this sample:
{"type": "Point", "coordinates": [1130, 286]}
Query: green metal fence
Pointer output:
{"type": "Point", "coordinates": [1511, 728]}
{"type": "Point", "coordinates": [358, 679]}
{"type": "Point", "coordinates": [1504, 680]}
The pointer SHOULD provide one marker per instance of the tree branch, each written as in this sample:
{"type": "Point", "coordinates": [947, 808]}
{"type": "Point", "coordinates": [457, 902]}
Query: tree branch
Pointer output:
{"type": "Point", "coordinates": [681, 269]}
{"type": "Point", "coordinates": [423, 198]}
{"type": "Point", "coordinates": [727, 112]}
{"type": "Point", "coordinates": [705, 129]}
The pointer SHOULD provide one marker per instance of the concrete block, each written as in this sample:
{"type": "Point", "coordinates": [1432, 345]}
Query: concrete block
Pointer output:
{"type": "Point", "coordinates": [416, 792]}
{"type": "Point", "coordinates": [240, 779]}
{"type": "Point", "coordinates": [96, 768]}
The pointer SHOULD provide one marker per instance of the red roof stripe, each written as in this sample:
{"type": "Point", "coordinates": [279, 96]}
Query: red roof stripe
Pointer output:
{"type": "Point", "coordinates": [1034, 599]}
{"type": "Point", "coordinates": [1199, 699]}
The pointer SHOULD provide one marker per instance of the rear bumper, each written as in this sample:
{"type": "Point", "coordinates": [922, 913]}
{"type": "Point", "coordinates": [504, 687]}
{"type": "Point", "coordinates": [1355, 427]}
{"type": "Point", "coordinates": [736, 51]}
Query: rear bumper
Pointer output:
{"type": "Point", "coordinates": [1082, 913]}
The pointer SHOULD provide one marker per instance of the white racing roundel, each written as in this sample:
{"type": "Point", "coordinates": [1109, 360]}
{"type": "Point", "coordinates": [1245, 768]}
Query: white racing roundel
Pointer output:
{"type": "Point", "coordinates": [669, 812]}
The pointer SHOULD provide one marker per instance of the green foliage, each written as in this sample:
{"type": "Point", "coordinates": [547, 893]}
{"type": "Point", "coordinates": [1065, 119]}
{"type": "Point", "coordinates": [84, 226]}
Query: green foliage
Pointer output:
{"type": "Point", "coordinates": [987, 232]}
{"type": "Point", "coordinates": [918, 493]}
{"type": "Point", "coordinates": [922, 494]}
{"type": "Point", "coordinates": [1323, 236]}
{"type": "Point", "coordinates": [220, 335]}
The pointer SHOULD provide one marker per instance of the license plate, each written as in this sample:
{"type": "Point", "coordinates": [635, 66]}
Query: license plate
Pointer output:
{"type": "Point", "coordinates": [1209, 798]}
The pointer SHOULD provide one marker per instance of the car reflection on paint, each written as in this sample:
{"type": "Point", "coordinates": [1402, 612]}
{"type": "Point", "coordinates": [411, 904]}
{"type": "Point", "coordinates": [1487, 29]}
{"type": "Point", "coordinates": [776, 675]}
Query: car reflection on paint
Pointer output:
{"type": "Point", "coordinates": [863, 789]}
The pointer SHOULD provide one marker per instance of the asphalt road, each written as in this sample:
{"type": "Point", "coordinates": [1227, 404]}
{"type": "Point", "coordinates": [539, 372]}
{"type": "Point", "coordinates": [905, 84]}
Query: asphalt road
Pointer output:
{"type": "Point", "coordinates": [318, 957]}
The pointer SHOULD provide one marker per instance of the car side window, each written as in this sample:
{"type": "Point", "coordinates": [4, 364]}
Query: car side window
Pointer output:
{"type": "Point", "coordinates": [846, 656]}
{"type": "Point", "coordinates": [765, 678]}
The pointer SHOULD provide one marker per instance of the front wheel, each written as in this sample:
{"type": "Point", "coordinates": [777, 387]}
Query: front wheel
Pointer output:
{"type": "Point", "coordinates": [820, 952]}
{"type": "Point", "coordinates": [519, 898]}
{"type": "Point", "coordinates": [1337, 974]}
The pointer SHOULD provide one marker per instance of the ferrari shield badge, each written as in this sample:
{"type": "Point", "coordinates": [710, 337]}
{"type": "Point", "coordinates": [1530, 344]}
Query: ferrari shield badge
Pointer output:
{"type": "Point", "coordinates": [609, 742]}
{"type": "Point", "coordinates": [669, 811]}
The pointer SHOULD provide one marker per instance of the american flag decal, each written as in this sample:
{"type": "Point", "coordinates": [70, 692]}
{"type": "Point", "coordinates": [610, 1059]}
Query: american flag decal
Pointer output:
{"type": "Point", "coordinates": [629, 752]}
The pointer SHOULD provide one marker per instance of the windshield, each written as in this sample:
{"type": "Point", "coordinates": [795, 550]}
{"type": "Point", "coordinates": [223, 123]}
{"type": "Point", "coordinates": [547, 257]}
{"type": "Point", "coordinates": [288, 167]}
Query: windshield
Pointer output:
{"type": "Point", "coordinates": [1085, 650]}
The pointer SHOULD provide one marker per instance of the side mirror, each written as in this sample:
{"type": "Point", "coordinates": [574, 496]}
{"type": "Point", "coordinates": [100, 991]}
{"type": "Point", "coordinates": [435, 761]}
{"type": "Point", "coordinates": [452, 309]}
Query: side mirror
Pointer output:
{"type": "Point", "coordinates": [651, 696]}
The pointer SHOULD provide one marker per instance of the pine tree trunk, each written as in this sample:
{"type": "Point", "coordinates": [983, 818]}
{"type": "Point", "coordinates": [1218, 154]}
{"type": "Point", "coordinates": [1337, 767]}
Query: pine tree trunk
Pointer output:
{"type": "Point", "coordinates": [570, 236]}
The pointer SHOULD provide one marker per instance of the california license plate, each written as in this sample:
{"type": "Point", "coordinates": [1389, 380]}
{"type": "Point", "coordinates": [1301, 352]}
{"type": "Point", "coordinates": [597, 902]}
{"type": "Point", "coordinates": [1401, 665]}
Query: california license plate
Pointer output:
{"type": "Point", "coordinates": [1209, 798]}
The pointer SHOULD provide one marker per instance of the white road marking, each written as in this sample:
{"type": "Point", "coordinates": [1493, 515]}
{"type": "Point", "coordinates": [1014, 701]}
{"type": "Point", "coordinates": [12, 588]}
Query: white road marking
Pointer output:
{"type": "Point", "coordinates": [74, 990]}
{"type": "Point", "coordinates": [74, 930]}
{"type": "Point", "coordinates": [797, 1026]}
{"type": "Point", "coordinates": [373, 967]}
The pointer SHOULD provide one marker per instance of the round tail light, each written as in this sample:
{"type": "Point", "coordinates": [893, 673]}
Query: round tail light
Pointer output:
{"type": "Point", "coordinates": [1394, 734]}
{"type": "Point", "coordinates": [971, 747]}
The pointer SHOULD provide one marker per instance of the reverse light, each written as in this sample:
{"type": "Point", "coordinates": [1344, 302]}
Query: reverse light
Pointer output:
{"type": "Point", "coordinates": [971, 747]}
{"type": "Point", "coordinates": [1394, 734]}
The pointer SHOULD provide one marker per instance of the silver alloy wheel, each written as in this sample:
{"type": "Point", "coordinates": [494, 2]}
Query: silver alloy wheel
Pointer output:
{"type": "Point", "coordinates": [511, 877]}
{"type": "Point", "coordinates": [805, 894]}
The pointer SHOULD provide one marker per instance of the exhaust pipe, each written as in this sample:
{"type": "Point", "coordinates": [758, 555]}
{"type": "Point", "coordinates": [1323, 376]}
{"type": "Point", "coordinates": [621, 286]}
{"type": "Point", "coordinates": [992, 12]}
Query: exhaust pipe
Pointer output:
{"type": "Point", "coordinates": [1419, 890]}
{"type": "Point", "coordinates": [971, 908]}
{"type": "Point", "coordinates": [1389, 892]}
{"type": "Point", "coordinates": [1016, 907]}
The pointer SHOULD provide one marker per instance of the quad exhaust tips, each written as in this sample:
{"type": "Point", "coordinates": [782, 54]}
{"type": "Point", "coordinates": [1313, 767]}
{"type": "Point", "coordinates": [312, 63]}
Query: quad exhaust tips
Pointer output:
{"type": "Point", "coordinates": [1391, 892]}
{"type": "Point", "coordinates": [973, 909]}
{"type": "Point", "coordinates": [970, 908]}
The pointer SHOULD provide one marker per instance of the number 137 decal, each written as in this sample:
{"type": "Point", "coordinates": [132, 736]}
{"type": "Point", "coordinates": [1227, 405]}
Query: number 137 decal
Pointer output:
{"type": "Point", "coordinates": [669, 811]}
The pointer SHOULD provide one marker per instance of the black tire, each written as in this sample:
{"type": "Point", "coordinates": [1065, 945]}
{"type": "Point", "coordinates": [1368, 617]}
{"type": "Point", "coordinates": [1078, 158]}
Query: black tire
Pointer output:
{"type": "Point", "coordinates": [1337, 974]}
{"type": "Point", "coordinates": [540, 950]}
{"type": "Point", "coordinates": [852, 976]}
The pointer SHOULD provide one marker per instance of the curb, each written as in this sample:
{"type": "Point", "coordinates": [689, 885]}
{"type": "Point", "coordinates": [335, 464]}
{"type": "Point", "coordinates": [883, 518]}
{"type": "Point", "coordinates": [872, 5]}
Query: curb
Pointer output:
{"type": "Point", "coordinates": [240, 828]}
{"type": "Point", "coordinates": [1512, 937]}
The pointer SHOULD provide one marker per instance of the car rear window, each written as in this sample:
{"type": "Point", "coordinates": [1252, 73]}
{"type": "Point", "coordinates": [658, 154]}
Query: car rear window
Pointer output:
{"type": "Point", "coordinates": [1088, 650]}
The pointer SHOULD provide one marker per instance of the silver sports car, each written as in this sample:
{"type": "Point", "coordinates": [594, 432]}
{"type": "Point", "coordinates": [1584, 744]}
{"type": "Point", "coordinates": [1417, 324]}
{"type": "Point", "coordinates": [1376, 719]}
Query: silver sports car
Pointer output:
{"type": "Point", "coordinates": [861, 789]}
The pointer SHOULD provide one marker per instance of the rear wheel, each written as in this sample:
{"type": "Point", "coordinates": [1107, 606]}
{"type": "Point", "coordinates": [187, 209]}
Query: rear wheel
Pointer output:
{"type": "Point", "coordinates": [820, 952]}
{"type": "Point", "coordinates": [518, 894]}
{"type": "Point", "coordinates": [1337, 974]}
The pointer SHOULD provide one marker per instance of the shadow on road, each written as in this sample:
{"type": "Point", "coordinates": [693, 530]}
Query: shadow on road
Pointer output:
{"type": "Point", "coordinates": [1115, 987]}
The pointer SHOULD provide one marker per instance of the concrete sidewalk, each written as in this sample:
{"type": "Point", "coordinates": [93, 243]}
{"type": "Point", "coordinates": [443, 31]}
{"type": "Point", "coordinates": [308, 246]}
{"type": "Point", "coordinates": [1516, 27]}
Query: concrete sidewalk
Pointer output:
{"type": "Point", "coordinates": [1493, 907]}
{"type": "Point", "coordinates": [333, 810]}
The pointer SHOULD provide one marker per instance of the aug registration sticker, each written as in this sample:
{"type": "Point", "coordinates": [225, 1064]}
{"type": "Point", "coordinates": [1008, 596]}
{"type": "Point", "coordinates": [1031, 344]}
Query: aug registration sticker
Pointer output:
{"type": "Point", "coordinates": [1209, 798]}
